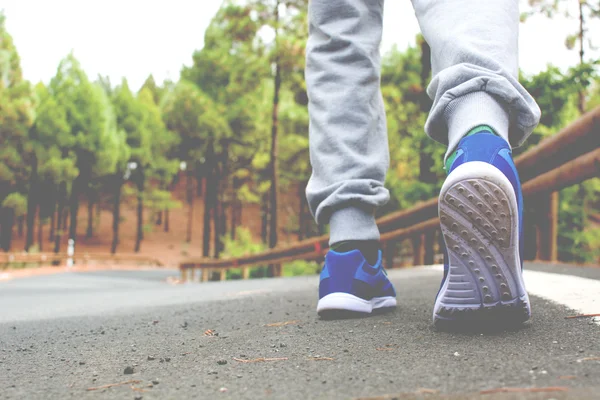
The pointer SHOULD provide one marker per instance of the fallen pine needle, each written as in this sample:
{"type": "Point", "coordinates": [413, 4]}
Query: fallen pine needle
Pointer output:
{"type": "Point", "coordinates": [137, 389]}
{"type": "Point", "coordinates": [384, 348]}
{"type": "Point", "coordinates": [283, 323]}
{"type": "Point", "coordinates": [589, 359]}
{"type": "Point", "coordinates": [406, 395]}
{"type": "Point", "coordinates": [530, 390]}
{"type": "Point", "coordinates": [427, 391]}
{"type": "Point", "coordinates": [262, 359]}
{"type": "Point", "coordinates": [565, 377]}
{"type": "Point", "coordinates": [320, 358]}
{"type": "Point", "coordinates": [112, 385]}
{"type": "Point", "coordinates": [582, 316]}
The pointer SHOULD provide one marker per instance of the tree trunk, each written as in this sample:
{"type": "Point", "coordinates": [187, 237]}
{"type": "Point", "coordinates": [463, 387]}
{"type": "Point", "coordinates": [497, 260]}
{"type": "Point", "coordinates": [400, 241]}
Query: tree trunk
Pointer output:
{"type": "Point", "coordinates": [116, 211]}
{"type": "Point", "coordinates": [159, 218]}
{"type": "Point", "coordinates": [199, 179]}
{"type": "Point", "coordinates": [52, 224]}
{"type": "Point", "coordinates": [60, 219]}
{"type": "Point", "coordinates": [98, 214]}
{"type": "Point", "coordinates": [264, 214]}
{"type": "Point", "coordinates": [302, 212]}
{"type": "Point", "coordinates": [166, 213]}
{"type": "Point", "coordinates": [321, 229]}
{"type": "Point", "coordinates": [74, 207]}
{"type": "Point", "coordinates": [209, 178]}
{"type": "Point", "coordinates": [32, 202]}
{"type": "Point", "coordinates": [7, 222]}
{"type": "Point", "coordinates": [90, 222]}
{"type": "Point", "coordinates": [233, 225]}
{"type": "Point", "coordinates": [581, 97]}
{"type": "Point", "coordinates": [189, 182]}
{"type": "Point", "coordinates": [426, 161]}
{"type": "Point", "coordinates": [222, 221]}
{"type": "Point", "coordinates": [216, 212]}
{"type": "Point", "coordinates": [224, 187]}
{"type": "Point", "coordinates": [65, 221]}
{"type": "Point", "coordinates": [274, 132]}
{"type": "Point", "coordinates": [140, 212]}
{"type": "Point", "coordinates": [40, 231]}
{"type": "Point", "coordinates": [425, 74]}
{"type": "Point", "coordinates": [216, 225]}
{"type": "Point", "coordinates": [233, 207]}
{"type": "Point", "coordinates": [206, 227]}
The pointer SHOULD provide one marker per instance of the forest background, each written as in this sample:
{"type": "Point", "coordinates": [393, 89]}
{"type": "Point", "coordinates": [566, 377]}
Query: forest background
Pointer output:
{"type": "Point", "coordinates": [216, 162]}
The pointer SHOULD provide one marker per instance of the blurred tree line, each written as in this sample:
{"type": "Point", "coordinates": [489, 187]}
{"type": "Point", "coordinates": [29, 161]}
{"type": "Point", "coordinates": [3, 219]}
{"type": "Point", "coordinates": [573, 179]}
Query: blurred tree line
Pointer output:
{"type": "Point", "coordinates": [234, 127]}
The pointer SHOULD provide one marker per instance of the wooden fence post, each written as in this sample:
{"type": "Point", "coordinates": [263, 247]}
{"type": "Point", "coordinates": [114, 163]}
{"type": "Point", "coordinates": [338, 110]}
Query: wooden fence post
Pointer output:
{"type": "Point", "coordinates": [390, 253]}
{"type": "Point", "coordinates": [418, 250]}
{"type": "Point", "coordinates": [206, 274]}
{"type": "Point", "coordinates": [547, 228]}
{"type": "Point", "coordinates": [429, 247]}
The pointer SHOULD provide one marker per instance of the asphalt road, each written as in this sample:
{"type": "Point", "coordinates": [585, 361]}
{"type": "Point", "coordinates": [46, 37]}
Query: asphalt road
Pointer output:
{"type": "Point", "coordinates": [63, 334]}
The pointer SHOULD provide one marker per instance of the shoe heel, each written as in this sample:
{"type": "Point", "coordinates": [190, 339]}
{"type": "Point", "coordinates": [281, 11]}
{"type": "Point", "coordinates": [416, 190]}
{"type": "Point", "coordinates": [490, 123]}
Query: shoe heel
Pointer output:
{"type": "Point", "coordinates": [479, 222]}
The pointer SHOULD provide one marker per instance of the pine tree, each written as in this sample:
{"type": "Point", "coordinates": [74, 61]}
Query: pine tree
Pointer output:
{"type": "Point", "coordinates": [16, 117]}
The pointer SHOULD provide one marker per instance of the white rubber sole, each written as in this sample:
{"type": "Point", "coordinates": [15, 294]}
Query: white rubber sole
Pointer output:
{"type": "Point", "coordinates": [479, 221]}
{"type": "Point", "coordinates": [347, 302]}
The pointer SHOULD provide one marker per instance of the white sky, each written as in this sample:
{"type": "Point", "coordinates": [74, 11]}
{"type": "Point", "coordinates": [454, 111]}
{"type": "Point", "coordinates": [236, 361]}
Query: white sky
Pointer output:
{"type": "Point", "coordinates": [133, 39]}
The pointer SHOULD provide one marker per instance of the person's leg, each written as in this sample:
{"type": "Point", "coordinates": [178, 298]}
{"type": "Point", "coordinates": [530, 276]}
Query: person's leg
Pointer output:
{"type": "Point", "coordinates": [474, 54]}
{"type": "Point", "coordinates": [479, 110]}
{"type": "Point", "coordinates": [348, 144]}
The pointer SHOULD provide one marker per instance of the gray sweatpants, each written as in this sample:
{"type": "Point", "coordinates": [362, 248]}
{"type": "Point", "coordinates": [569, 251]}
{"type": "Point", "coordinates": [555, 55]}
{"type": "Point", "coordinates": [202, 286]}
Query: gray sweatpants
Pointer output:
{"type": "Point", "coordinates": [475, 68]}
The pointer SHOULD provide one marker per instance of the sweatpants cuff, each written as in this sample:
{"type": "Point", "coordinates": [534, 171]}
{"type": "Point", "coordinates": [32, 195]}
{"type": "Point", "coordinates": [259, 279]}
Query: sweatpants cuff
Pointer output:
{"type": "Point", "coordinates": [352, 223]}
{"type": "Point", "coordinates": [471, 110]}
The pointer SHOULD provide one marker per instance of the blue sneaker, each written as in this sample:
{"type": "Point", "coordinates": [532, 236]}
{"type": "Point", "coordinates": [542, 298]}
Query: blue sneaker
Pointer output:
{"type": "Point", "coordinates": [350, 285]}
{"type": "Point", "coordinates": [481, 213]}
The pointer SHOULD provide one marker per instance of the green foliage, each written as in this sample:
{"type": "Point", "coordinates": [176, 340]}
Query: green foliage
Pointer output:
{"type": "Point", "coordinates": [17, 114]}
{"type": "Point", "coordinates": [17, 202]}
{"type": "Point", "coordinates": [578, 240]}
{"type": "Point", "coordinates": [92, 136]}
{"type": "Point", "coordinates": [556, 93]}
{"type": "Point", "coordinates": [243, 245]}
{"type": "Point", "coordinates": [403, 93]}
{"type": "Point", "coordinates": [301, 267]}
{"type": "Point", "coordinates": [128, 116]}
{"type": "Point", "coordinates": [195, 117]}
{"type": "Point", "coordinates": [159, 200]}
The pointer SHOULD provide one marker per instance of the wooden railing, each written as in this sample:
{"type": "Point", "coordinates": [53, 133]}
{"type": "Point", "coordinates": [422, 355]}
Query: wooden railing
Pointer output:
{"type": "Point", "coordinates": [564, 159]}
{"type": "Point", "coordinates": [78, 259]}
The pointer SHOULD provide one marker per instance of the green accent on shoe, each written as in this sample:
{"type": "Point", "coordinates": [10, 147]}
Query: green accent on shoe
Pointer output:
{"type": "Point", "coordinates": [480, 128]}
{"type": "Point", "coordinates": [450, 160]}
{"type": "Point", "coordinates": [477, 129]}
